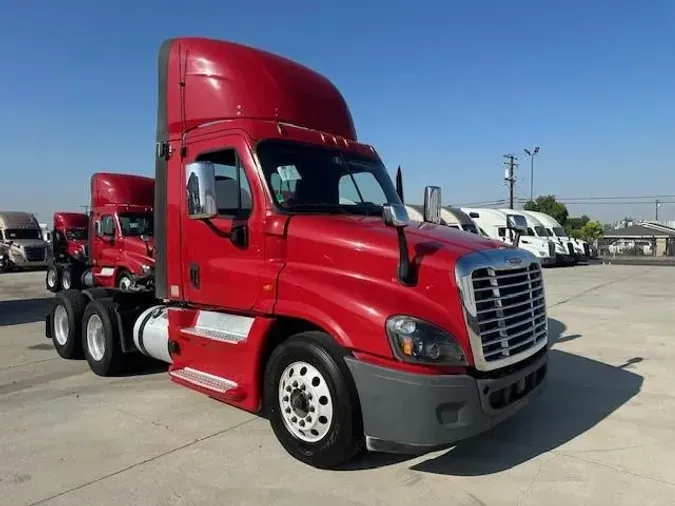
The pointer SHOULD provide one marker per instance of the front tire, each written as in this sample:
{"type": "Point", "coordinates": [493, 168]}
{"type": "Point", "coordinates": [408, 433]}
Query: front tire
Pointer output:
{"type": "Point", "coordinates": [100, 338]}
{"type": "Point", "coordinates": [125, 280]}
{"type": "Point", "coordinates": [67, 278]}
{"type": "Point", "coordinates": [311, 401]}
{"type": "Point", "coordinates": [66, 321]}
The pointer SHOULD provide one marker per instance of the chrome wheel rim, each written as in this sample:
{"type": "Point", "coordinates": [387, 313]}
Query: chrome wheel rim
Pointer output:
{"type": "Point", "coordinates": [95, 337]}
{"type": "Point", "coordinates": [51, 278]}
{"type": "Point", "coordinates": [305, 402]}
{"type": "Point", "coordinates": [61, 325]}
{"type": "Point", "coordinates": [66, 281]}
{"type": "Point", "coordinates": [125, 283]}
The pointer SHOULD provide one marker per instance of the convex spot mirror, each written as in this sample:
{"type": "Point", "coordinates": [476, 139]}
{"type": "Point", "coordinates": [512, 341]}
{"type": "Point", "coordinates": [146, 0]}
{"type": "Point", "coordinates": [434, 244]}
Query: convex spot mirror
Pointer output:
{"type": "Point", "coordinates": [201, 190]}
{"type": "Point", "coordinates": [395, 215]}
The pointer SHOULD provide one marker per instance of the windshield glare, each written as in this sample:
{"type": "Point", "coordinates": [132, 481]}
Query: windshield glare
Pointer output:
{"type": "Point", "coordinates": [76, 234]}
{"type": "Point", "coordinates": [136, 224]}
{"type": "Point", "coordinates": [315, 179]}
{"type": "Point", "coordinates": [18, 234]}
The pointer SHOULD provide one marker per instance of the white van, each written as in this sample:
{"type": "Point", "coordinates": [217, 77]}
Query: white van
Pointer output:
{"type": "Point", "coordinates": [562, 249]}
{"type": "Point", "coordinates": [580, 248]}
{"type": "Point", "coordinates": [493, 223]}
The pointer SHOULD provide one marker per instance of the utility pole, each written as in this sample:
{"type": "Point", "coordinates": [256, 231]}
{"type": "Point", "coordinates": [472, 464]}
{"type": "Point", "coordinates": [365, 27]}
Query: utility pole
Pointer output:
{"type": "Point", "coordinates": [657, 209]}
{"type": "Point", "coordinates": [509, 175]}
{"type": "Point", "coordinates": [86, 208]}
{"type": "Point", "coordinates": [532, 154]}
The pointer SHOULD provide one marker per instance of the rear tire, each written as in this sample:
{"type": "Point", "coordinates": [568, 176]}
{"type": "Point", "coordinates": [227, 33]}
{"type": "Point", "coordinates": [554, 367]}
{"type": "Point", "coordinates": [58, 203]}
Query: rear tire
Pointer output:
{"type": "Point", "coordinates": [100, 338]}
{"type": "Point", "coordinates": [53, 278]}
{"type": "Point", "coordinates": [311, 401]}
{"type": "Point", "coordinates": [67, 278]}
{"type": "Point", "coordinates": [66, 321]}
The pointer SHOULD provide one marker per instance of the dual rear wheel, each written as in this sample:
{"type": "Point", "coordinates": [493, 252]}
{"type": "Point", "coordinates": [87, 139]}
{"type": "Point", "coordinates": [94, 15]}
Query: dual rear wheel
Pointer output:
{"type": "Point", "coordinates": [87, 329]}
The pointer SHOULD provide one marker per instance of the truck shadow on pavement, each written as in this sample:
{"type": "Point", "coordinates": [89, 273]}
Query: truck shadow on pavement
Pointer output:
{"type": "Point", "coordinates": [581, 392]}
{"type": "Point", "coordinates": [16, 312]}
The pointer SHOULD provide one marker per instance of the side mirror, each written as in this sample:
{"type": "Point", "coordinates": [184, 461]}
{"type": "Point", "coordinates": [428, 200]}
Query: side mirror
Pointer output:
{"type": "Point", "coordinates": [432, 204]}
{"type": "Point", "coordinates": [97, 229]}
{"type": "Point", "coordinates": [395, 215]}
{"type": "Point", "coordinates": [517, 223]}
{"type": "Point", "coordinates": [201, 190]}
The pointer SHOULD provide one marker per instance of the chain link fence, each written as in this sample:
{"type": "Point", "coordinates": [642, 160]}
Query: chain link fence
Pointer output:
{"type": "Point", "coordinates": [644, 247]}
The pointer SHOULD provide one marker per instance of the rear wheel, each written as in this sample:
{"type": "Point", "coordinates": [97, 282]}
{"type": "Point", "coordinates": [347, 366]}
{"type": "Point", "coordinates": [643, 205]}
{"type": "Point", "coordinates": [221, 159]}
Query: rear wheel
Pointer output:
{"type": "Point", "coordinates": [311, 401]}
{"type": "Point", "coordinates": [52, 279]}
{"type": "Point", "coordinates": [100, 338]}
{"type": "Point", "coordinates": [67, 278]}
{"type": "Point", "coordinates": [66, 321]}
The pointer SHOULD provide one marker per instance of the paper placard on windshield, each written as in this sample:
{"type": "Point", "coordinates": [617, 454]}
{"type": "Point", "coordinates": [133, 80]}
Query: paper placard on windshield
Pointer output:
{"type": "Point", "coordinates": [289, 173]}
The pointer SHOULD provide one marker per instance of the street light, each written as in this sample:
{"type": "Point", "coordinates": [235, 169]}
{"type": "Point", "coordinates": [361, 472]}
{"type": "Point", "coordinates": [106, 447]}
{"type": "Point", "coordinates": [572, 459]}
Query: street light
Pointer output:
{"type": "Point", "coordinates": [532, 154]}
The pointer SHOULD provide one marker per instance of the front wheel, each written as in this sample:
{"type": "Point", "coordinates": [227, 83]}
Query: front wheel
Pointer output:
{"type": "Point", "coordinates": [125, 281]}
{"type": "Point", "coordinates": [311, 401]}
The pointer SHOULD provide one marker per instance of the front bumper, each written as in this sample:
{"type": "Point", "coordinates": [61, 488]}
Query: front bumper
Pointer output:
{"type": "Point", "coordinates": [414, 414]}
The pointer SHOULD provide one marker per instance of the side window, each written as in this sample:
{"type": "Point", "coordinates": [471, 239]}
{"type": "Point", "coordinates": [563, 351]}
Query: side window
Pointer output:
{"type": "Point", "coordinates": [501, 231]}
{"type": "Point", "coordinates": [107, 225]}
{"type": "Point", "coordinates": [366, 189]}
{"type": "Point", "coordinates": [233, 193]}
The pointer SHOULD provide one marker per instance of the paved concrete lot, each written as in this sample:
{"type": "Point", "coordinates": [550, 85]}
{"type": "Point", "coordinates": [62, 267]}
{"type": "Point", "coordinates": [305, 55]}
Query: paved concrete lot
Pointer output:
{"type": "Point", "coordinates": [601, 434]}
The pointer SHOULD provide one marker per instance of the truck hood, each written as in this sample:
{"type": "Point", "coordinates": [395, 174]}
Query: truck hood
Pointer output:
{"type": "Point", "coordinates": [137, 247]}
{"type": "Point", "coordinates": [365, 245]}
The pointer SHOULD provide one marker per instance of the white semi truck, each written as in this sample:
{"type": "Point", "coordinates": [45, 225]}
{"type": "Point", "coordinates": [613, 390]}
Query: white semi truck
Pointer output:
{"type": "Point", "coordinates": [580, 248]}
{"type": "Point", "coordinates": [493, 222]}
{"type": "Point", "coordinates": [21, 242]}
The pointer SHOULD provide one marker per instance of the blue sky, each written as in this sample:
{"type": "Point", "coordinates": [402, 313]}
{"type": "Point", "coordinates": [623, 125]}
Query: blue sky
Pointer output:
{"type": "Point", "coordinates": [443, 88]}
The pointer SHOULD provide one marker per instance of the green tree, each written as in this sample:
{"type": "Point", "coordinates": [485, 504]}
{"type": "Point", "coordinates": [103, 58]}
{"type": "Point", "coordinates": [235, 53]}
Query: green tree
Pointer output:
{"type": "Point", "coordinates": [591, 230]}
{"type": "Point", "coordinates": [549, 205]}
{"type": "Point", "coordinates": [575, 224]}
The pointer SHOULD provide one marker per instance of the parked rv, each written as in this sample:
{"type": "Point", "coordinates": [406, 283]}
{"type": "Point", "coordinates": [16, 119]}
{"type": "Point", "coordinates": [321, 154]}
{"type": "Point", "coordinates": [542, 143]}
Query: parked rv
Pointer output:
{"type": "Point", "coordinates": [494, 222]}
{"type": "Point", "coordinates": [21, 241]}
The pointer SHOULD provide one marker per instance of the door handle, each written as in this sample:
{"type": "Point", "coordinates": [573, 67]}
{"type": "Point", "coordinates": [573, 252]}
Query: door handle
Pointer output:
{"type": "Point", "coordinates": [194, 275]}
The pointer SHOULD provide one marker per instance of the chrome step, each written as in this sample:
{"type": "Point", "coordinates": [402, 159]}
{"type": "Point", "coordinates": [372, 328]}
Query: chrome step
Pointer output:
{"type": "Point", "coordinates": [204, 379]}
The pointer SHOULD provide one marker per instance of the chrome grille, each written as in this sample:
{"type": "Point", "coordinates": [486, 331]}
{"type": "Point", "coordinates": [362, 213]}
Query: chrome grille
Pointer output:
{"type": "Point", "coordinates": [510, 310]}
{"type": "Point", "coordinates": [35, 253]}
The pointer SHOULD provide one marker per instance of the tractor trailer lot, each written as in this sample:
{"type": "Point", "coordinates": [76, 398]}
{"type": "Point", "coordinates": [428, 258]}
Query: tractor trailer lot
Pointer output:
{"type": "Point", "coordinates": [601, 433]}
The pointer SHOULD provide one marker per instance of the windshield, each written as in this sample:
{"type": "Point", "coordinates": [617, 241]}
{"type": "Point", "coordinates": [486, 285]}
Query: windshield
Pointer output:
{"type": "Point", "coordinates": [313, 179]}
{"type": "Point", "coordinates": [541, 231]}
{"type": "Point", "coordinates": [529, 231]}
{"type": "Point", "coordinates": [136, 224]}
{"type": "Point", "coordinates": [13, 234]}
{"type": "Point", "coordinates": [76, 234]}
{"type": "Point", "coordinates": [470, 228]}
{"type": "Point", "coordinates": [559, 232]}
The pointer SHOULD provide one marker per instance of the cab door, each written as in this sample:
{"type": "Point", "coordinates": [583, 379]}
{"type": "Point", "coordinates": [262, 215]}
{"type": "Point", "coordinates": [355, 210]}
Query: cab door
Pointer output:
{"type": "Point", "coordinates": [222, 256]}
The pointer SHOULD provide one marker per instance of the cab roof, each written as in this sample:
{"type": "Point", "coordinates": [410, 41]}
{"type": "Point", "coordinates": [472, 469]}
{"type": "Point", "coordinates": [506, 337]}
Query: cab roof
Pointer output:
{"type": "Point", "coordinates": [109, 188]}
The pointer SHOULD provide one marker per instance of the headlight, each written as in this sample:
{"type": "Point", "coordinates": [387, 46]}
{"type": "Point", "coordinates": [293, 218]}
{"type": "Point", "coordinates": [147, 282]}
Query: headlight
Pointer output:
{"type": "Point", "coordinates": [416, 341]}
{"type": "Point", "coordinates": [146, 268]}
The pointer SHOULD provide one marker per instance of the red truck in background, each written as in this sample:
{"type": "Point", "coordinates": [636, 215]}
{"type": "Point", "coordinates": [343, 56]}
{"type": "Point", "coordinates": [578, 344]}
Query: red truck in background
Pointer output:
{"type": "Point", "coordinates": [289, 281]}
{"type": "Point", "coordinates": [121, 244]}
{"type": "Point", "coordinates": [113, 246]}
{"type": "Point", "coordinates": [69, 250]}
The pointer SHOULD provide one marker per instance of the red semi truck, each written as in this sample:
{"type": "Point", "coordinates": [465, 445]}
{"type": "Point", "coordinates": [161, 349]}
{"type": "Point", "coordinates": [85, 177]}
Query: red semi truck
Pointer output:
{"type": "Point", "coordinates": [120, 243]}
{"type": "Point", "coordinates": [289, 282]}
{"type": "Point", "coordinates": [69, 250]}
